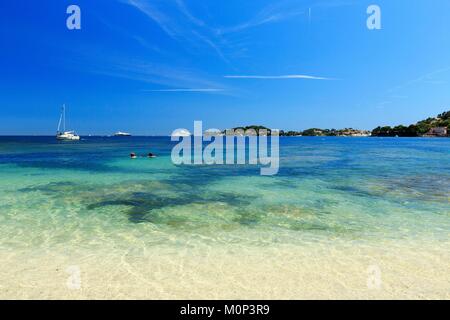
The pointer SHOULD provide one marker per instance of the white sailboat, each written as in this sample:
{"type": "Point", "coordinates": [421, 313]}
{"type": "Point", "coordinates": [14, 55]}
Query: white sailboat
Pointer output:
{"type": "Point", "coordinates": [65, 135]}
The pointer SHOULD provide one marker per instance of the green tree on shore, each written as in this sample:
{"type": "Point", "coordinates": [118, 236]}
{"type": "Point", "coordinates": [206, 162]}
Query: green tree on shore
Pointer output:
{"type": "Point", "coordinates": [414, 130]}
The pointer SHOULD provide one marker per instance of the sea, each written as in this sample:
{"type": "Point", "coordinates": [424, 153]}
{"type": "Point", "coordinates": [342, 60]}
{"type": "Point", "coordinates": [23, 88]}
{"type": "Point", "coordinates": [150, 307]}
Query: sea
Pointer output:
{"type": "Point", "coordinates": [343, 218]}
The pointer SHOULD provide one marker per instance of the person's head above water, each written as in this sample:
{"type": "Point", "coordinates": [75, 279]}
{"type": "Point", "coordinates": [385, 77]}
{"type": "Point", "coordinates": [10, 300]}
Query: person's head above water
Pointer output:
{"type": "Point", "coordinates": [132, 155]}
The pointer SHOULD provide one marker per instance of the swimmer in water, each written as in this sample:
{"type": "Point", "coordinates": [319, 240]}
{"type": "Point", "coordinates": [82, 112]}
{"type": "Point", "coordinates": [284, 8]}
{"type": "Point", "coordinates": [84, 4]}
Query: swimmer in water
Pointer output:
{"type": "Point", "coordinates": [151, 155]}
{"type": "Point", "coordinates": [133, 155]}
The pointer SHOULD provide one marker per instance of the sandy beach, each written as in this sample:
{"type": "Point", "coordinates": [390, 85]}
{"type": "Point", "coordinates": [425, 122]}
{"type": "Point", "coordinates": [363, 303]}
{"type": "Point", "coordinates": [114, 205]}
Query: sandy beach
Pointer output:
{"type": "Point", "coordinates": [276, 272]}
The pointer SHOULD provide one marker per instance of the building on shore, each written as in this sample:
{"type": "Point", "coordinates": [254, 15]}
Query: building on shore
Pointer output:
{"type": "Point", "coordinates": [437, 132]}
{"type": "Point", "coordinates": [353, 133]}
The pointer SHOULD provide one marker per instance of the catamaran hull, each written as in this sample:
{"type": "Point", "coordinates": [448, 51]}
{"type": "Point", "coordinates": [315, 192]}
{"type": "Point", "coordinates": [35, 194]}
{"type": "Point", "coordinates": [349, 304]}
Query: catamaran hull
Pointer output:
{"type": "Point", "coordinates": [68, 138]}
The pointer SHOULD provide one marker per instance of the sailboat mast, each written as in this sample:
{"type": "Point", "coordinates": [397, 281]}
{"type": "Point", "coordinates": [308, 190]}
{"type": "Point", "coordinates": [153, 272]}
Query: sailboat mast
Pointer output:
{"type": "Point", "coordinates": [60, 120]}
{"type": "Point", "coordinates": [64, 117]}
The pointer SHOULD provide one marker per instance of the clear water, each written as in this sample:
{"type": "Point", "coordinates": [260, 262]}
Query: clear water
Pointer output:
{"type": "Point", "coordinates": [337, 204]}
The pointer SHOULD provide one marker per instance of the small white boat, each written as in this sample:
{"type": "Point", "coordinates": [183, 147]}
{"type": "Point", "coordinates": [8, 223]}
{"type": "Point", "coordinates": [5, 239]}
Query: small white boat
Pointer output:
{"type": "Point", "coordinates": [122, 134]}
{"type": "Point", "coordinates": [65, 135]}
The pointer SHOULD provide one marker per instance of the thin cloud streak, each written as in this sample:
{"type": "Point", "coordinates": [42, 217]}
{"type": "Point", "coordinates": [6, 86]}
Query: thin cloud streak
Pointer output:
{"type": "Point", "coordinates": [284, 10]}
{"type": "Point", "coordinates": [138, 70]}
{"type": "Point", "coordinates": [290, 76]}
{"type": "Point", "coordinates": [270, 14]}
{"type": "Point", "coordinates": [426, 78]}
{"type": "Point", "coordinates": [206, 90]}
{"type": "Point", "coordinates": [182, 7]}
{"type": "Point", "coordinates": [181, 25]}
{"type": "Point", "coordinates": [157, 16]}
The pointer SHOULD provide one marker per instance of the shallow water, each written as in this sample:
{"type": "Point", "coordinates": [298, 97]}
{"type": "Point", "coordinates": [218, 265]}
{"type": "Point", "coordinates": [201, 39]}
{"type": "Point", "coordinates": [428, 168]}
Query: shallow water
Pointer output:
{"type": "Point", "coordinates": [146, 228]}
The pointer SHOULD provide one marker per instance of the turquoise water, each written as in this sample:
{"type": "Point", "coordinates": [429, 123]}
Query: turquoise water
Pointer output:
{"type": "Point", "coordinates": [66, 198]}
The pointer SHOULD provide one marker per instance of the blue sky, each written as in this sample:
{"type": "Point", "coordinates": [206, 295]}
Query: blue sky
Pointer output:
{"type": "Point", "coordinates": [151, 66]}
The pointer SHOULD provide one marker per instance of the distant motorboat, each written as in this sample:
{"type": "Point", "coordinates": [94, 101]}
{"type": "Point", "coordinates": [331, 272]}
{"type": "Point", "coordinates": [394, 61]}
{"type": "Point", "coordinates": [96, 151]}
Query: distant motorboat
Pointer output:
{"type": "Point", "coordinates": [122, 134]}
{"type": "Point", "coordinates": [65, 135]}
